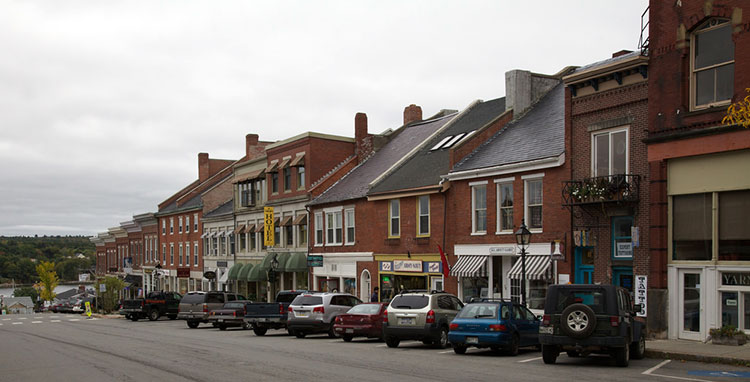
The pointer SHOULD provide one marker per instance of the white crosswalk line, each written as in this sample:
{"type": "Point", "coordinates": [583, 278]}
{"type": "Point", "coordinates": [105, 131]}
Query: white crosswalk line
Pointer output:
{"type": "Point", "coordinates": [21, 318]}
{"type": "Point", "coordinates": [74, 319]}
{"type": "Point", "coordinates": [38, 318]}
{"type": "Point", "coordinates": [36, 322]}
{"type": "Point", "coordinates": [18, 323]}
{"type": "Point", "coordinates": [54, 321]}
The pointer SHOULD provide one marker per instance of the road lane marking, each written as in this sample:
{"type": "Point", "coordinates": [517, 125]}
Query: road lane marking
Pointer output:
{"type": "Point", "coordinates": [21, 318]}
{"type": "Point", "coordinates": [446, 352]}
{"type": "Point", "coordinates": [54, 321]}
{"type": "Point", "coordinates": [530, 359]}
{"type": "Point", "coordinates": [36, 322]}
{"type": "Point", "coordinates": [18, 323]}
{"type": "Point", "coordinates": [74, 319]}
{"type": "Point", "coordinates": [651, 370]}
{"type": "Point", "coordinates": [38, 318]}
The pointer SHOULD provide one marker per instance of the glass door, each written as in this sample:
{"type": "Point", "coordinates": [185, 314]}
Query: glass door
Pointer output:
{"type": "Point", "coordinates": [584, 265]}
{"type": "Point", "coordinates": [690, 311]}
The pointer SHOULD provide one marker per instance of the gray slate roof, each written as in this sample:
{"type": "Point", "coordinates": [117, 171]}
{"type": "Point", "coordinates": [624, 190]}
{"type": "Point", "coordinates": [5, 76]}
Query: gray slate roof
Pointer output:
{"type": "Point", "coordinates": [426, 167]}
{"type": "Point", "coordinates": [355, 184]}
{"type": "Point", "coordinates": [67, 294]}
{"type": "Point", "coordinates": [538, 134]}
{"type": "Point", "coordinates": [192, 203]}
{"type": "Point", "coordinates": [224, 209]}
{"type": "Point", "coordinates": [24, 300]}
{"type": "Point", "coordinates": [606, 62]}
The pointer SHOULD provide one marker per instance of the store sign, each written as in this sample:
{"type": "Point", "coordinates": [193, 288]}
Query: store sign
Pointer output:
{"type": "Point", "coordinates": [221, 264]}
{"type": "Point", "coordinates": [209, 275]}
{"type": "Point", "coordinates": [183, 272]}
{"type": "Point", "coordinates": [735, 278]}
{"type": "Point", "coordinates": [314, 260]}
{"type": "Point", "coordinates": [407, 266]}
{"type": "Point", "coordinates": [624, 249]}
{"type": "Point", "coordinates": [641, 287]}
{"type": "Point", "coordinates": [386, 266]}
{"type": "Point", "coordinates": [268, 236]}
{"type": "Point", "coordinates": [433, 267]}
{"type": "Point", "coordinates": [509, 250]}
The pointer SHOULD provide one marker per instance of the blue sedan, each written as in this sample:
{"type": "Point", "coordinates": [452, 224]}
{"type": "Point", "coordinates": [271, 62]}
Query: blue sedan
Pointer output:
{"type": "Point", "coordinates": [496, 325]}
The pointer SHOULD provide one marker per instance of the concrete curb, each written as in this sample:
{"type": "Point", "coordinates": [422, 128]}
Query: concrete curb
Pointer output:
{"type": "Point", "coordinates": [696, 357]}
{"type": "Point", "coordinates": [99, 315]}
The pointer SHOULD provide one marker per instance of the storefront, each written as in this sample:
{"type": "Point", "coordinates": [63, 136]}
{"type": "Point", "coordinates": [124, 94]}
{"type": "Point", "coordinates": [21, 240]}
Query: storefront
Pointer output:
{"type": "Point", "coordinates": [338, 271]}
{"type": "Point", "coordinates": [408, 272]}
{"type": "Point", "coordinates": [480, 266]}
{"type": "Point", "coordinates": [709, 244]}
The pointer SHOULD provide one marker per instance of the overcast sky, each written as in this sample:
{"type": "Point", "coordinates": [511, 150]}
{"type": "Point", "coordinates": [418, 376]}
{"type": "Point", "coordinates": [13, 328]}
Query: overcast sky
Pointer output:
{"type": "Point", "coordinates": [104, 106]}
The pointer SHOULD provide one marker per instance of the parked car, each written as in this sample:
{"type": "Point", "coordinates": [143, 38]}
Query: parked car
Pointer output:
{"type": "Point", "coordinates": [195, 306]}
{"type": "Point", "coordinates": [363, 320]}
{"type": "Point", "coordinates": [494, 324]}
{"type": "Point", "coordinates": [231, 314]}
{"type": "Point", "coordinates": [582, 319]}
{"type": "Point", "coordinates": [315, 313]}
{"type": "Point", "coordinates": [421, 315]}
{"type": "Point", "coordinates": [270, 315]}
{"type": "Point", "coordinates": [155, 305]}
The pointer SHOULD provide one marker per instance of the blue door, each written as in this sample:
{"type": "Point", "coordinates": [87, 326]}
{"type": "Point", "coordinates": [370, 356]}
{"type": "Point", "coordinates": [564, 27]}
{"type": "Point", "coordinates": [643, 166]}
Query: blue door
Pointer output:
{"type": "Point", "coordinates": [623, 276]}
{"type": "Point", "coordinates": [584, 265]}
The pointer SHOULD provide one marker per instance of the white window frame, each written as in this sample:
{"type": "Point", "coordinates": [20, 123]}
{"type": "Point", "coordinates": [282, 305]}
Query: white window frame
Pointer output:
{"type": "Point", "coordinates": [195, 253]}
{"type": "Point", "coordinates": [319, 240]}
{"type": "Point", "coordinates": [334, 223]}
{"type": "Point", "coordinates": [171, 253]}
{"type": "Point", "coordinates": [187, 253]}
{"type": "Point", "coordinates": [473, 186]}
{"type": "Point", "coordinates": [180, 253]}
{"type": "Point", "coordinates": [499, 183]}
{"type": "Point", "coordinates": [171, 226]}
{"type": "Point", "coordinates": [187, 224]}
{"type": "Point", "coordinates": [526, 179]}
{"type": "Point", "coordinates": [179, 224]}
{"type": "Point", "coordinates": [693, 71]}
{"type": "Point", "coordinates": [164, 227]}
{"type": "Point", "coordinates": [391, 218]}
{"type": "Point", "coordinates": [164, 254]}
{"type": "Point", "coordinates": [195, 222]}
{"type": "Point", "coordinates": [419, 216]}
{"type": "Point", "coordinates": [301, 177]}
{"type": "Point", "coordinates": [609, 133]}
{"type": "Point", "coordinates": [349, 222]}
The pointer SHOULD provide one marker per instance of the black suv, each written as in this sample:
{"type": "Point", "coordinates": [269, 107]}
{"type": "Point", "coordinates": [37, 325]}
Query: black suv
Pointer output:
{"type": "Point", "coordinates": [582, 319]}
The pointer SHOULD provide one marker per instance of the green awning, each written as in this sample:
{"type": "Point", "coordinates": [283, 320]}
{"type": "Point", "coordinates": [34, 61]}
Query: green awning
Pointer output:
{"type": "Point", "coordinates": [242, 274]}
{"type": "Point", "coordinates": [282, 258]}
{"type": "Point", "coordinates": [257, 274]}
{"type": "Point", "coordinates": [266, 264]}
{"type": "Point", "coordinates": [297, 263]}
{"type": "Point", "coordinates": [234, 271]}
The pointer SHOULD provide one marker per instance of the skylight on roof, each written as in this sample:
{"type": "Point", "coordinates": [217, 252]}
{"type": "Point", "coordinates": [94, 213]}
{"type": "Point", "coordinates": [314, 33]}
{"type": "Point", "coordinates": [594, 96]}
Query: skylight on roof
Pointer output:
{"type": "Point", "coordinates": [453, 141]}
{"type": "Point", "coordinates": [441, 143]}
{"type": "Point", "coordinates": [467, 136]}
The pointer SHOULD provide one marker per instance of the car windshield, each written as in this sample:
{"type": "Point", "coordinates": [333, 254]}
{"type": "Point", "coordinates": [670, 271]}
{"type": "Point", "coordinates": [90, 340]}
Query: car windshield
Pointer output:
{"type": "Point", "coordinates": [594, 298]}
{"type": "Point", "coordinates": [195, 298]}
{"type": "Point", "coordinates": [479, 311]}
{"type": "Point", "coordinates": [410, 302]}
{"type": "Point", "coordinates": [365, 309]}
{"type": "Point", "coordinates": [234, 305]}
{"type": "Point", "coordinates": [307, 300]}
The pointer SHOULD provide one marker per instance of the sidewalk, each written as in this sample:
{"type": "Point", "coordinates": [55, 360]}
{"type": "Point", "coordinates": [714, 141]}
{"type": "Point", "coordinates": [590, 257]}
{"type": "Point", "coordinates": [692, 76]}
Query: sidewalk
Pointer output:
{"type": "Point", "coordinates": [698, 351]}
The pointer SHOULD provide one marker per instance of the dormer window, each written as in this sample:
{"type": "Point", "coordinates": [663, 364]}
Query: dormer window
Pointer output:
{"type": "Point", "coordinates": [712, 64]}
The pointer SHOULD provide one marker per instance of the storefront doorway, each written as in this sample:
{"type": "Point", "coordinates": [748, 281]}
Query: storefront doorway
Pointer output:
{"type": "Point", "coordinates": [392, 284]}
{"type": "Point", "coordinates": [584, 263]}
{"type": "Point", "coordinates": [690, 296]}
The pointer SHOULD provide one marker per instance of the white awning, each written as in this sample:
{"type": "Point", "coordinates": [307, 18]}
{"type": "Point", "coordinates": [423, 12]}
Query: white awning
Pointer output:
{"type": "Point", "coordinates": [223, 278]}
{"type": "Point", "coordinates": [537, 268]}
{"type": "Point", "coordinates": [205, 235]}
{"type": "Point", "coordinates": [220, 233]}
{"type": "Point", "coordinates": [229, 233]}
{"type": "Point", "coordinates": [470, 266]}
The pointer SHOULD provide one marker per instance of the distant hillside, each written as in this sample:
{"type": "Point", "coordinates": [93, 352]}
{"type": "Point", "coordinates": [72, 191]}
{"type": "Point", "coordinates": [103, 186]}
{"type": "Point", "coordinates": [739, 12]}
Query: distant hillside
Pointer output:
{"type": "Point", "coordinates": [19, 256]}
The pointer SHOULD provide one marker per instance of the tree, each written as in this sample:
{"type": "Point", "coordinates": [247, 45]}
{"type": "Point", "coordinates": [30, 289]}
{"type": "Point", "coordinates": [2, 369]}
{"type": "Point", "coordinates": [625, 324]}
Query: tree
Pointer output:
{"type": "Point", "coordinates": [738, 113]}
{"type": "Point", "coordinates": [108, 298]}
{"type": "Point", "coordinates": [48, 278]}
{"type": "Point", "coordinates": [26, 291]}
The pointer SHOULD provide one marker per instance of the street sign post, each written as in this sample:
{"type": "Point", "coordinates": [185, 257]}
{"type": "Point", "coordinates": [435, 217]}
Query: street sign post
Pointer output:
{"type": "Point", "coordinates": [268, 237]}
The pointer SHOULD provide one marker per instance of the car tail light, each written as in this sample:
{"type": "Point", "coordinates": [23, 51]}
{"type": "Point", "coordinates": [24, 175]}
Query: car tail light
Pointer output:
{"type": "Point", "coordinates": [385, 316]}
{"type": "Point", "coordinates": [498, 328]}
{"type": "Point", "coordinates": [143, 304]}
{"type": "Point", "coordinates": [614, 320]}
{"type": "Point", "coordinates": [430, 317]}
{"type": "Point", "coordinates": [339, 320]}
{"type": "Point", "coordinates": [454, 326]}
{"type": "Point", "coordinates": [546, 320]}
{"type": "Point", "coordinates": [234, 313]}
{"type": "Point", "coordinates": [319, 309]}
{"type": "Point", "coordinates": [281, 309]}
{"type": "Point", "coordinates": [205, 308]}
{"type": "Point", "coordinates": [289, 309]}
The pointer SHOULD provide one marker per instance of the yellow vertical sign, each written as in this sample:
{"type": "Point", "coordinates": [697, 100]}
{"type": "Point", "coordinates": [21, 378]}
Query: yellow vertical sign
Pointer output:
{"type": "Point", "coordinates": [268, 237]}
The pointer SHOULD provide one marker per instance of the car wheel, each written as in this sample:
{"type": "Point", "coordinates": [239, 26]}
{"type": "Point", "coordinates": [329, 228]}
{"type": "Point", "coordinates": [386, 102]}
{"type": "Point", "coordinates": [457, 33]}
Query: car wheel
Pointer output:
{"type": "Point", "coordinates": [578, 321]}
{"type": "Point", "coordinates": [549, 354]}
{"type": "Point", "coordinates": [300, 334]}
{"type": "Point", "coordinates": [331, 332]}
{"type": "Point", "coordinates": [392, 342]}
{"type": "Point", "coordinates": [622, 356]}
{"type": "Point", "coordinates": [127, 316]}
{"type": "Point", "coordinates": [348, 337]}
{"type": "Point", "coordinates": [638, 349]}
{"type": "Point", "coordinates": [259, 331]}
{"type": "Point", "coordinates": [442, 342]}
{"type": "Point", "coordinates": [459, 349]}
{"type": "Point", "coordinates": [222, 327]}
{"type": "Point", "coordinates": [153, 315]}
{"type": "Point", "coordinates": [193, 324]}
{"type": "Point", "coordinates": [515, 342]}
{"type": "Point", "coordinates": [290, 332]}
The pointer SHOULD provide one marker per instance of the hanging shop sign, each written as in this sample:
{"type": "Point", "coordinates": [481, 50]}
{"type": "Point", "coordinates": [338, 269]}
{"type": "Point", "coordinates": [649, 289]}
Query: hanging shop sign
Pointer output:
{"type": "Point", "coordinates": [314, 260]}
{"type": "Point", "coordinates": [641, 287]}
{"type": "Point", "coordinates": [268, 235]}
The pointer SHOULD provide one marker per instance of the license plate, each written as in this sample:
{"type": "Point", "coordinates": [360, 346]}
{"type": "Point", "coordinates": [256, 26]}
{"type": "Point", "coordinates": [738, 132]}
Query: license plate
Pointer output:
{"type": "Point", "coordinates": [546, 330]}
{"type": "Point", "coordinates": [301, 314]}
{"type": "Point", "coordinates": [472, 340]}
{"type": "Point", "coordinates": [263, 320]}
{"type": "Point", "coordinates": [221, 320]}
{"type": "Point", "coordinates": [350, 330]}
{"type": "Point", "coordinates": [405, 321]}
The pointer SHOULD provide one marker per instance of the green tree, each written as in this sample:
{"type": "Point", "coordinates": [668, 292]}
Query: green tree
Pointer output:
{"type": "Point", "coordinates": [738, 113]}
{"type": "Point", "coordinates": [108, 298]}
{"type": "Point", "coordinates": [26, 291]}
{"type": "Point", "coordinates": [48, 279]}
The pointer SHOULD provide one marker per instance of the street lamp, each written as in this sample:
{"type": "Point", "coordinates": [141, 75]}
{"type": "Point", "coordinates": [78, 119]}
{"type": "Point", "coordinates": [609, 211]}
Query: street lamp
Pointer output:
{"type": "Point", "coordinates": [158, 276]}
{"type": "Point", "coordinates": [523, 237]}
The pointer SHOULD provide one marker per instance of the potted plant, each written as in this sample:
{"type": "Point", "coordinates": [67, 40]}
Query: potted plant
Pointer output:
{"type": "Point", "coordinates": [728, 335]}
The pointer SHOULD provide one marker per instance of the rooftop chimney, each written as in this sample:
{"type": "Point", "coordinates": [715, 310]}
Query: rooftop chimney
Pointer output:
{"type": "Point", "coordinates": [251, 140]}
{"type": "Point", "coordinates": [203, 168]}
{"type": "Point", "coordinates": [362, 138]}
{"type": "Point", "coordinates": [412, 113]}
{"type": "Point", "coordinates": [523, 88]}
{"type": "Point", "coordinates": [621, 53]}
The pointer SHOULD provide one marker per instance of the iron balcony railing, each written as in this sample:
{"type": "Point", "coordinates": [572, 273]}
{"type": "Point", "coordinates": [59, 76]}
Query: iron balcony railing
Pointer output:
{"type": "Point", "coordinates": [602, 189]}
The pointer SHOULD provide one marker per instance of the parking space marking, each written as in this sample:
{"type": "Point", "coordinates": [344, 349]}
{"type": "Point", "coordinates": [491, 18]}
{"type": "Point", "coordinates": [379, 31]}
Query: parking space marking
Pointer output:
{"type": "Point", "coordinates": [54, 321]}
{"type": "Point", "coordinates": [36, 322]}
{"type": "Point", "coordinates": [530, 359]}
{"type": "Point", "coordinates": [18, 323]}
{"type": "Point", "coordinates": [21, 318]}
{"type": "Point", "coordinates": [651, 372]}
{"type": "Point", "coordinates": [38, 318]}
{"type": "Point", "coordinates": [74, 319]}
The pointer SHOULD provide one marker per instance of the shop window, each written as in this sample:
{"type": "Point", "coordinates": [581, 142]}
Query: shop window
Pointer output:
{"type": "Point", "coordinates": [515, 290]}
{"type": "Point", "coordinates": [610, 156]}
{"type": "Point", "coordinates": [537, 294]}
{"type": "Point", "coordinates": [691, 227]}
{"type": "Point", "coordinates": [423, 215]}
{"type": "Point", "coordinates": [349, 226]}
{"type": "Point", "coordinates": [534, 204]}
{"type": "Point", "coordinates": [622, 246]}
{"type": "Point", "coordinates": [479, 208]}
{"type": "Point", "coordinates": [734, 232]}
{"type": "Point", "coordinates": [505, 207]}
{"type": "Point", "coordinates": [350, 286]}
{"type": "Point", "coordinates": [713, 64]}
{"type": "Point", "coordinates": [394, 216]}
{"type": "Point", "coordinates": [474, 287]}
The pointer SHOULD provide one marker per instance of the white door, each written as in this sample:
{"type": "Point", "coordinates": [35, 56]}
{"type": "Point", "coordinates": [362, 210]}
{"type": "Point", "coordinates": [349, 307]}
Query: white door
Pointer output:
{"type": "Point", "coordinates": [364, 286]}
{"type": "Point", "coordinates": [436, 283]}
{"type": "Point", "coordinates": [691, 296]}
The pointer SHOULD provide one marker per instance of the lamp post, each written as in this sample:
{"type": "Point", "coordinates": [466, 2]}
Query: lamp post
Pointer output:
{"type": "Point", "coordinates": [523, 237]}
{"type": "Point", "coordinates": [157, 268]}
{"type": "Point", "coordinates": [272, 274]}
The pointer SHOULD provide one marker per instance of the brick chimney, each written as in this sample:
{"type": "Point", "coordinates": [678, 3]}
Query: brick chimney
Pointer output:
{"type": "Point", "coordinates": [251, 140]}
{"type": "Point", "coordinates": [363, 140]}
{"type": "Point", "coordinates": [203, 167]}
{"type": "Point", "coordinates": [412, 113]}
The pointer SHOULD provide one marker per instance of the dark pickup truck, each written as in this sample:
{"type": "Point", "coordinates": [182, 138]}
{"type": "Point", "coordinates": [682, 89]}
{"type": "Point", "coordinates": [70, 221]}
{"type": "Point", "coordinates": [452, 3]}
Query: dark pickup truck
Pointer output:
{"type": "Point", "coordinates": [270, 315]}
{"type": "Point", "coordinates": [155, 305]}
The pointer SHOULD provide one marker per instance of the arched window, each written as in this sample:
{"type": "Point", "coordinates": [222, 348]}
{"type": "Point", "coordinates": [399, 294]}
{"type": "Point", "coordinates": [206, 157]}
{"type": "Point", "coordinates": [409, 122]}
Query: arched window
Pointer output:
{"type": "Point", "coordinates": [365, 285]}
{"type": "Point", "coordinates": [712, 81]}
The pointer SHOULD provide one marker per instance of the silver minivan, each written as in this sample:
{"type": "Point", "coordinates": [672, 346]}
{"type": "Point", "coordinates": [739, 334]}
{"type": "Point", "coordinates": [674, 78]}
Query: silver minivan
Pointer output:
{"type": "Point", "coordinates": [315, 312]}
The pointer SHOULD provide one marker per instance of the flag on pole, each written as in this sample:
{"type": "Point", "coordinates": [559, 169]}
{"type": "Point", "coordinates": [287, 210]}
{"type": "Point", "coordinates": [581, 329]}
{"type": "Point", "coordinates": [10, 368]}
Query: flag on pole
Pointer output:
{"type": "Point", "coordinates": [444, 260]}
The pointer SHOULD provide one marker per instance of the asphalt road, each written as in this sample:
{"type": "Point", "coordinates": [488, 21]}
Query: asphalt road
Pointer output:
{"type": "Point", "coordinates": [60, 347]}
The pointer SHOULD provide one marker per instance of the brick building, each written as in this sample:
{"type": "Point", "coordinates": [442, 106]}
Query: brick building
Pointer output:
{"type": "Point", "coordinates": [699, 168]}
{"type": "Point", "coordinates": [608, 191]}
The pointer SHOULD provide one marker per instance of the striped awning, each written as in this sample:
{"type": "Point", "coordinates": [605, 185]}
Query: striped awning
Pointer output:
{"type": "Point", "coordinates": [537, 268]}
{"type": "Point", "coordinates": [470, 266]}
{"type": "Point", "coordinates": [241, 229]}
{"type": "Point", "coordinates": [205, 235]}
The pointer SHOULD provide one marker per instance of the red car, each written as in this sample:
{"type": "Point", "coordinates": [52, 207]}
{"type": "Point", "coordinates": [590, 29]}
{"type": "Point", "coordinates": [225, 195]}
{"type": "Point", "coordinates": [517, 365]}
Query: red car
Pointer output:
{"type": "Point", "coordinates": [363, 320]}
